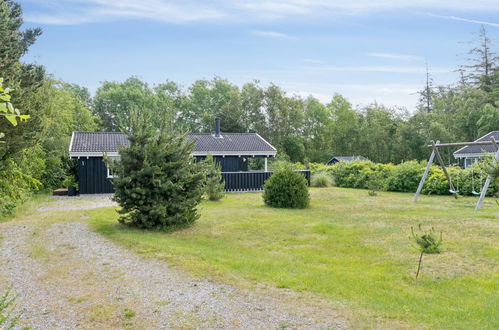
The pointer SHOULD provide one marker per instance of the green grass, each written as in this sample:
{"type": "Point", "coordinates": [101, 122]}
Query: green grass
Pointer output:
{"type": "Point", "coordinates": [347, 247]}
{"type": "Point", "coordinates": [28, 207]}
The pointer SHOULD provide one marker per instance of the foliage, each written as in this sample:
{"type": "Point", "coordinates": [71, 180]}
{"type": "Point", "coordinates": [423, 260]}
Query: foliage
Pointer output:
{"type": "Point", "coordinates": [286, 189]}
{"type": "Point", "coordinates": [215, 187]}
{"type": "Point", "coordinates": [7, 322]}
{"type": "Point", "coordinates": [24, 79]}
{"type": "Point", "coordinates": [158, 183]}
{"type": "Point", "coordinates": [356, 174]}
{"type": "Point", "coordinates": [427, 241]}
{"type": "Point", "coordinates": [282, 161]}
{"type": "Point", "coordinates": [321, 179]}
{"type": "Point", "coordinates": [405, 177]}
{"type": "Point", "coordinates": [375, 183]}
{"type": "Point", "coordinates": [7, 110]}
{"type": "Point", "coordinates": [19, 177]}
{"type": "Point", "coordinates": [293, 147]}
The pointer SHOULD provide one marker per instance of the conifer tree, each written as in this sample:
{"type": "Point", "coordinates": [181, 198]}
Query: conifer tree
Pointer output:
{"type": "Point", "coordinates": [157, 182]}
{"type": "Point", "coordinates": [214, 184]}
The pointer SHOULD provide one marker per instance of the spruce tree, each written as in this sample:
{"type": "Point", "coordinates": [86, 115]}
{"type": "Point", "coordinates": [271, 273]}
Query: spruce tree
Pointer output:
{"type": "Point", "coordinates": [157, 182]}
{"type": "Point", "coordinates": [214, 183]}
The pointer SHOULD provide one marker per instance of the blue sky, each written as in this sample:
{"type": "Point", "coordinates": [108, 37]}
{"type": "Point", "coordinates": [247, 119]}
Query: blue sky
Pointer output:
{"type": "Point", "coordinates": [364, 50]}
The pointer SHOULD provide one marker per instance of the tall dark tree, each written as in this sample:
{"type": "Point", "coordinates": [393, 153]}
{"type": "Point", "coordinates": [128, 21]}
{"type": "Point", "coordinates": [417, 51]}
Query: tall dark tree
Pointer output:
{"type": "Point", "coordinates": [24, 79]}
{"type": "Point", "coordinates": [426, 95]}
{"type": "Point", "coordinates": [482, 62]}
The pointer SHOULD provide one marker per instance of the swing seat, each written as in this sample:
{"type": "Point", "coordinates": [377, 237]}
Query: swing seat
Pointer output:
{"type": "Point", "coordinates": [476, 193]}
{"type": "Point", "coordinates": [454, 192]}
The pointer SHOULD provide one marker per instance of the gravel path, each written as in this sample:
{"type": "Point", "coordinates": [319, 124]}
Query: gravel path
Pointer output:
{"type": "Point", "coordinates": [68, 277]}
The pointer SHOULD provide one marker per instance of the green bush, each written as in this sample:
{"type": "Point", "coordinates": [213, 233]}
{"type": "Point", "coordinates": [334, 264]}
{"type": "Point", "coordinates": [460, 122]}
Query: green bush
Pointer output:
{"type": "Point", "coordinates": [321, 179]}
{"type": "Point", "coordinates": [356, 174]}
{"type": "Point", "coordinates": [320, 167]}
{"type": "Point", "coordinates": [158, 183]}
{"type": "Point", "coordinates": [19, 178]}
{"type": "Point", "coordinates": [405, 177]}
{"type": "Point", "coordinates": [286, 189]}
{"type": "Point", "coordinates": [215, 187]}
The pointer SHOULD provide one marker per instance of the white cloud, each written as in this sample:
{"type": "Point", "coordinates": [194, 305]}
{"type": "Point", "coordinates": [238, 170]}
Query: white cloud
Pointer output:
{"type": "Point", "coordinates": [83, 11]}
{"type": "Point", "coordinates": [461, 19]}
{"type": "Point", "coordinates": [271, 34]}
{"type": "Point", "coordinates": [401, 57]}
{"type": "Point", "coordinates": [78, 11]}
{"type": "Point", "coordinates": [377, 68]}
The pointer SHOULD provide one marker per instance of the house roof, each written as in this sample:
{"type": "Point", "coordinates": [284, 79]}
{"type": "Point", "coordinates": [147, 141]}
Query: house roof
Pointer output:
{"type": "Point", "coordinates": [347, 158]}
{"type": "Point", "coordinates": [94, 144]}
{"type": "Point", "coordinates": [97, 142]}
{"type": "Point", "coordinates": [231, 143]}
{"type": "Point", "coordinates": [478, 149]}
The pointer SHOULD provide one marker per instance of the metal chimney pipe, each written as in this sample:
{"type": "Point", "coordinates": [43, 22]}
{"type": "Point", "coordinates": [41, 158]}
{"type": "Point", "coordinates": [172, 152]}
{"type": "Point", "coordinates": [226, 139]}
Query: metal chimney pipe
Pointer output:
{"type": "Point", "coordinates": [217, 127]}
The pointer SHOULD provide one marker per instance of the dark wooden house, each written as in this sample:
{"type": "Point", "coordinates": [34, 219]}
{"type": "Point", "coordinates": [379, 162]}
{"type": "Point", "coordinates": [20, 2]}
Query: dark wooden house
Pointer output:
{"type": "Point", "coordinates": [337, 159]}
{"type": "Point", "coordinates": [231, 150]}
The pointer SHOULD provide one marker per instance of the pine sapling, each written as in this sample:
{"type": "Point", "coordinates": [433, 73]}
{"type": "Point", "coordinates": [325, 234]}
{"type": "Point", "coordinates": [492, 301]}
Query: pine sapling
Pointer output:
{"type": "Point", "coordinates": [428, 242]}
{"type": "Point", "coordinates": [215, 187]}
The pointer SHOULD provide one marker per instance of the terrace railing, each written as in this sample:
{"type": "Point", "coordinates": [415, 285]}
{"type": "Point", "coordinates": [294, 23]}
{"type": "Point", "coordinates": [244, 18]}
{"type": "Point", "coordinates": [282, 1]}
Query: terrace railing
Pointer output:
{"type": "Point", "coordinates": [250, 180]}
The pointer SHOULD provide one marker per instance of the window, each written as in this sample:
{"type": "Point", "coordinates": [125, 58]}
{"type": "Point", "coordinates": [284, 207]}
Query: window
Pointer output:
{"type": "Point", "coordinates": [110, 173]}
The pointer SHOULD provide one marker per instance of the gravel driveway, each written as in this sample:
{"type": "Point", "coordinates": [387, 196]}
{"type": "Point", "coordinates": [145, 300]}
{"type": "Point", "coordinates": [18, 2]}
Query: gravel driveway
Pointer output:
{"type": "Point", "coordinates": [68, 277]}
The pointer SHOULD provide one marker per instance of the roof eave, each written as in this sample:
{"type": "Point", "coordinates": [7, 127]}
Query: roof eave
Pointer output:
{"type": "Point", "coordinates": [235, 153]}
{"type": "Point", "coordinates": [93, 154]}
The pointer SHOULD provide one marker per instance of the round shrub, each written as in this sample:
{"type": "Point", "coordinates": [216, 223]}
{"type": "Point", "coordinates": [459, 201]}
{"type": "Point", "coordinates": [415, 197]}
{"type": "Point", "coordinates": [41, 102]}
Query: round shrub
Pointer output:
{"type": "Point", "coordinates": [321, 179]}
{"type": "Point", "coordinates": [286, 189]}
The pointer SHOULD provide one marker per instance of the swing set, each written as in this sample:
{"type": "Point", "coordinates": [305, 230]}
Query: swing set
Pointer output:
{"type": "Point", "coordinates": [454, 190]}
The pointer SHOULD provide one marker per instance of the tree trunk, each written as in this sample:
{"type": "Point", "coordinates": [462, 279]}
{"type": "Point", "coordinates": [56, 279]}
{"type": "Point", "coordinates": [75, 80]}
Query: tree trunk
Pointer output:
{"type": "Point", "coordinates": [419, 265]}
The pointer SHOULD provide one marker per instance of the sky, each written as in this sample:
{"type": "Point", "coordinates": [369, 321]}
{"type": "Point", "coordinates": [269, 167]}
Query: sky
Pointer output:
{"type": "Point", "coordinates": [366, 50]}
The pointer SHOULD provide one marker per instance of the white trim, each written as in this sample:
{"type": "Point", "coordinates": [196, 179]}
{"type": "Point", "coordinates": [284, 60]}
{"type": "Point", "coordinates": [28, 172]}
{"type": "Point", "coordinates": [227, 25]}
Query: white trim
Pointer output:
{"type": "Point", "coordinates": [475, 155]}
{"type": "Point", "coordinates": [93, 154]}
{"type": "Point", "coordinates": [234, 153]}
{"type": "Point", "coordinates": [71, 142]}
{"type": "Point", "coordinates": [109, 175]}
{"type": "Point", "coordinates": [266, 142]}
{"type": "Point", "coordinates": [195, 153]}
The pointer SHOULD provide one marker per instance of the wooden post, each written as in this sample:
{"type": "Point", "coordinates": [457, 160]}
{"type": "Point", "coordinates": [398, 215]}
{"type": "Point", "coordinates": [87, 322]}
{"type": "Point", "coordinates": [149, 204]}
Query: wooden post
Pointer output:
{"type": "Point", "coordinates": [441, 161]}
{"type": "Point", "coordinates": [427, 170]}
{"type": "Point", "coordinates": [487, 181]}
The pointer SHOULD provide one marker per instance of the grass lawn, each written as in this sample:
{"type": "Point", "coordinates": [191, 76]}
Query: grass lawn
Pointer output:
{"type": "Point", "coordinates": [348, 248]}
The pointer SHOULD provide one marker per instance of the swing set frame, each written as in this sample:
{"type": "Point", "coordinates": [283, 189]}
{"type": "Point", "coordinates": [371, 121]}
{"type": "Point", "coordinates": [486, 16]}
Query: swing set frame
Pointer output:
{"type": "Point", "coordinates": [436, 153]}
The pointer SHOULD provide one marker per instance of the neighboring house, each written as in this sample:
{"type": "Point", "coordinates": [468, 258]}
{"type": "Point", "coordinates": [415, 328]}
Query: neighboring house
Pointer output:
{"type": "Point", "coordinates": [471, 154]}
{"type": "Point", "coordinates": [337, 159]}
{"type": "Point", "coordinates": [231, 150]}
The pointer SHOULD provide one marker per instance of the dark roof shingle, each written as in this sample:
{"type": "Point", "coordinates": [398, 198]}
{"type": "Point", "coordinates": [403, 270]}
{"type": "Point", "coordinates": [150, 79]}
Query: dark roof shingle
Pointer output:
{"type": "Point", "coordinates": [480, 148]}
{"type": "Point", "coordinates": [244, 143]}
{"type": "Point", "coordinates": [97, 141]}
{"type": "Point", "coordinates": [231, 142]}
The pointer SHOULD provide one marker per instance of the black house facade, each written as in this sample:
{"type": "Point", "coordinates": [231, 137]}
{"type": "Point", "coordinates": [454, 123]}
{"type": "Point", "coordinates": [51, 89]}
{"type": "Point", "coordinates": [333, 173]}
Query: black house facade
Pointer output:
{"type": "Point", "coordinates": [231, 150]}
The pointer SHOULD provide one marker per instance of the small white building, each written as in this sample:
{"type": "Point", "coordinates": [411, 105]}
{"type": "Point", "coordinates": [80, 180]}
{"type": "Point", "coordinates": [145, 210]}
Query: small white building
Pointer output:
{"type": "Point", "coordinates": [469, 155]}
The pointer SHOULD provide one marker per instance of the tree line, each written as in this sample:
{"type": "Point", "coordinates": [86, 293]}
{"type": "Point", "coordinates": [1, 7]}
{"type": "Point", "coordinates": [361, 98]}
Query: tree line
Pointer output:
{"type": "Point", "coordinates": [34, 154]}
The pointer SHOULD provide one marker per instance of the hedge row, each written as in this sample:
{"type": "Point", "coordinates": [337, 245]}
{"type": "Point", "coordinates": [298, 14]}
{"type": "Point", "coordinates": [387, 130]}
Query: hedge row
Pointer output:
{"type": "Point", "coordinates": [405, 177]}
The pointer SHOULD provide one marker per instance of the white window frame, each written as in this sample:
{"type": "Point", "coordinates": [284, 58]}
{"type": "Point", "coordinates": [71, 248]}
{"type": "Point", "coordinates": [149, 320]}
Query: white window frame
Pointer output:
{"type": "Point", "coordinates": [109, 174]}
{"type": "Point", "coordinates": [112, 159]}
